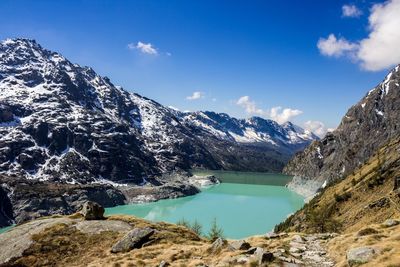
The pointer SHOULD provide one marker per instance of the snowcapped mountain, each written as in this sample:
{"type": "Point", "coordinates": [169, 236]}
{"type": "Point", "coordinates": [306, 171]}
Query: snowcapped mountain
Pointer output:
{"type": "Point", "coordinates": [60, 121]}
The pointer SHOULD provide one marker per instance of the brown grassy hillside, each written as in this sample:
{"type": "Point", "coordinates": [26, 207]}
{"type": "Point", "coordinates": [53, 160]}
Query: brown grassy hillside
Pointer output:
{"type": "Point", "coordinates": [366, 196]}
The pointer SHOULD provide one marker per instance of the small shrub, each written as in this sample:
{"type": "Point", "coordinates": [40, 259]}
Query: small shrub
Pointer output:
{"type": "Point", "coordinates": [367, 231]}
{"type": "Point", "coordinates": [183, 222]}
{"type": "Point", "coordinates": [215, 231]}
{"type": "Point", "coordinates": [344, 197]}
{"type": "Point", "coordinates": [196, 227]}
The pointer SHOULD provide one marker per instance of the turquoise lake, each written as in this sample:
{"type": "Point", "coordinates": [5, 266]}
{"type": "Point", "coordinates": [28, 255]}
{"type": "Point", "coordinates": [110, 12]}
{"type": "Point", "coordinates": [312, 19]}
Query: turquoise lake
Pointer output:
{"type": "Point", "coordinates": [244, 204]}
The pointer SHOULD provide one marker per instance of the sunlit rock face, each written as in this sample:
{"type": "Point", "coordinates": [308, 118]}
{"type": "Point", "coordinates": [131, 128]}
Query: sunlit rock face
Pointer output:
{"type": "Point", "coordinates": [367, 126]}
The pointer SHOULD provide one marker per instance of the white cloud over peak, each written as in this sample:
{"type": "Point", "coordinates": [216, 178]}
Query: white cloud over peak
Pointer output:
{"type": "Point", "coordinates": [282, 115]}
{"type": "Point", "coordinates": [196, 95]}
{"type": "Point", "coordinates": [378, 51]}
{"type": "Point", "coordinates": [333, 46]}
{"type": "Point", "coordinates": [351, 11]}
{"type": "Point", "coordinates": [317, 128]}
{"type": "Point", "coordinates": [143, 48]}
{"type": "Point", "coordinates": [249, 105]}
{"type": "Point", "coordinates": [277, 114]}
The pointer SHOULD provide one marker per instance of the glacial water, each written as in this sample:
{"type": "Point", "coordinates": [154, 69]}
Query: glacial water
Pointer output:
{"type": "Point", "coordinates": [244, 204]}
{"type": "Point", "coordinates": [5, 229]}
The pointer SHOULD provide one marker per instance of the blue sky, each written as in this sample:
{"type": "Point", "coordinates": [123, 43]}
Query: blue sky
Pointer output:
{"type": "Point", "coordinates": [265, 50]}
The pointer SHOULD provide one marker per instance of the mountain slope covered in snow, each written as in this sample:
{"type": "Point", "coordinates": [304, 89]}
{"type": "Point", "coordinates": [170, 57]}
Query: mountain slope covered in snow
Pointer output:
{"type": "Point", "coordinates": [63, 122]}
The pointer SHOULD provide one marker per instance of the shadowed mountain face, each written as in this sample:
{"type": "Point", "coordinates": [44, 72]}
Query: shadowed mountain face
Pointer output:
{"type": "Point", "coordinates": [367, 126]}
{"type": "Point", "coordinates": [63, 122]}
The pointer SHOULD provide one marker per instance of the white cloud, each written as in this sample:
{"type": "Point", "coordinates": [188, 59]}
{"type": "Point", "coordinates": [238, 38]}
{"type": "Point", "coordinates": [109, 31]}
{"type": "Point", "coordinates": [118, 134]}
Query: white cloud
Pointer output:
{"type": "Point", "coordinates": [214, 100]}
{"type": "Point", "coordinates": [380, 50]}
{"type": "Point", "coordinates": [282, 115]}
{"type": "Point", "coordinates": [196, 95]}
{"type": "Point", "coordinates": [332, 46]}
{"type": "Point", "coordinates": [317, 128]}
{"type": "Point", "coordinates": [351, 11]}
{"type": "Point", "coordinates": [144, 48]}
{"type": "Point", "coordinates": [249, 105]}
{"type": "Point", "coordinates": [277, 114]}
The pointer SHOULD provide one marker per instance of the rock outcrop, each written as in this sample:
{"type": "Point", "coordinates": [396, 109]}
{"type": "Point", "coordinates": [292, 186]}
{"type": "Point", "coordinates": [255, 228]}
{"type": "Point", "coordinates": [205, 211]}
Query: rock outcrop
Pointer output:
{"type": "Point", "coordinates": [31, 199]}
{"type": "Point", "coordinates": [136, 238]}
{"type": "Point", "coordinates": [92, 211]}
{"type": "Point", "coordinates": [6, 212]}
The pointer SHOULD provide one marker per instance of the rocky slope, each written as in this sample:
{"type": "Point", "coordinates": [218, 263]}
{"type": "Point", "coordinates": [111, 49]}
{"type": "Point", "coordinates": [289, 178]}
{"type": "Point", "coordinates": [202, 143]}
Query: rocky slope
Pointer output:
{"type": "Point", "coordinates": [369, 194]}
{"type": "Point", "coordinates": [130, 241]}
{"type": "Point", "coordinates": [367, 126]}
{"type": "Point", "coordinates": [63, 122]}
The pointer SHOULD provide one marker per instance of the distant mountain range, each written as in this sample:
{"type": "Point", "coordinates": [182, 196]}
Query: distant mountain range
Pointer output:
{"type": "Point", "coordinates": [63, 122]}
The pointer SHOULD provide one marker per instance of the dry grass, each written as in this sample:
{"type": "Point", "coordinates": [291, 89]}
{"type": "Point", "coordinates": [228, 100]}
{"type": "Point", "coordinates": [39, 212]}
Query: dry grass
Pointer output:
{"type": "Point", "coordinates": [366, 196]}
{"type": "Point", "coordinates": [386, 241]}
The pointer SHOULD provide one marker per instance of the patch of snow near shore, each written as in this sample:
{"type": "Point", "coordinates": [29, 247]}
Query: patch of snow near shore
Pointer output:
{"type": "Point", "coordinates": [104, 181]}
{"type": "Point", "coordinates": [203, 181]}
{"type": "Point", "coordinates": [305, 187]}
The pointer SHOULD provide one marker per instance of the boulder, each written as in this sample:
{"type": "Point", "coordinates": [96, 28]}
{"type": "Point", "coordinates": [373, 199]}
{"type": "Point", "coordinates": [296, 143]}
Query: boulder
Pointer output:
{"type": "Point", "coordinates": [360, 255]}
{"type": "Point", "coordinates": [133, 239]}
{"type": "Point", "coordinates": [271, 235]}
{"type": "Point", "coordinates": [163, 264]}
{"type": "Point", "coordinates": [218, 244]}
{"type": "Point", "coordinates": [240, 245]}
{"type": "Point", "coordinates": [263, 256]}
{"type": "Point", "coordinates": [92, 211]}
{"type": "Point", "coordinates": [298, 239]}
{"type": "Point", "coordinates": [391, 222]}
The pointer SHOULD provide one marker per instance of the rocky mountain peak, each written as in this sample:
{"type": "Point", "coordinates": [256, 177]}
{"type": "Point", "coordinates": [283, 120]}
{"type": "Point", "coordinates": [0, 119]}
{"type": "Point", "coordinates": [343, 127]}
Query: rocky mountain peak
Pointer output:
{"type": "Point", "coordinates": [367, 126]}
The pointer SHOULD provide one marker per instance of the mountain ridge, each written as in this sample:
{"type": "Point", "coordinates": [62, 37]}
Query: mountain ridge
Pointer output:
{"type": "Point", "coordinates": [63, 122]}
{"type": "Point", "coordinates": [367, 126]}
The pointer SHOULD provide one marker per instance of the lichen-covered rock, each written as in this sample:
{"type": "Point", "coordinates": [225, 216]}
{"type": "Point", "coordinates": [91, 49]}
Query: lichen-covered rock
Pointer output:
{"type": "Point", "coordinates": [134, 239]}
{"type": "Point", "coordinates": [92, 211]}
{"type": "Point", "coordinates": [218, 245]}
{"type": "Point", "coordinates": [240, 245]}
{"type": "Point", "coordinates": [360, 255]}
{"type": "Point", "coordinates": [262, 256]}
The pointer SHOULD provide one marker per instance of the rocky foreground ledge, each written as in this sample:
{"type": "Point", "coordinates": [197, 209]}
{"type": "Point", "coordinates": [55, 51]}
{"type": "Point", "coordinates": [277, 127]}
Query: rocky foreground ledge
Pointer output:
{"type": "Point", "coordinates": [89, 239]}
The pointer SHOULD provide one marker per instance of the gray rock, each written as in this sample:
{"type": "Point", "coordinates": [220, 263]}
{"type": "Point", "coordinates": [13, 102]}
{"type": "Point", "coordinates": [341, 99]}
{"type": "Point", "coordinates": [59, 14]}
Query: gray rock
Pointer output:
{"type": "Point", "coordinates": [271, 235]}
{"type": "Point", "coordinates": [240, 245]}
{"type": "Point", "coordinates": [360, 255]}
{"type": "Point", "coordinates": [391, 222]}
{"type": "Point", "coordinates": [298, 239]}
{"type": "Point", "coordinates": [163, 264]}
{"type": "Point", "coordinates": [92, 211]}
{"type": "Point", "coordinates": [14, 242]}
{"type": "Point", "coordinates": [263, 256]}
{"type": "Point", "coordinates": [134, 239]}
{"type": "Point", "coordinates": [218, 244]}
